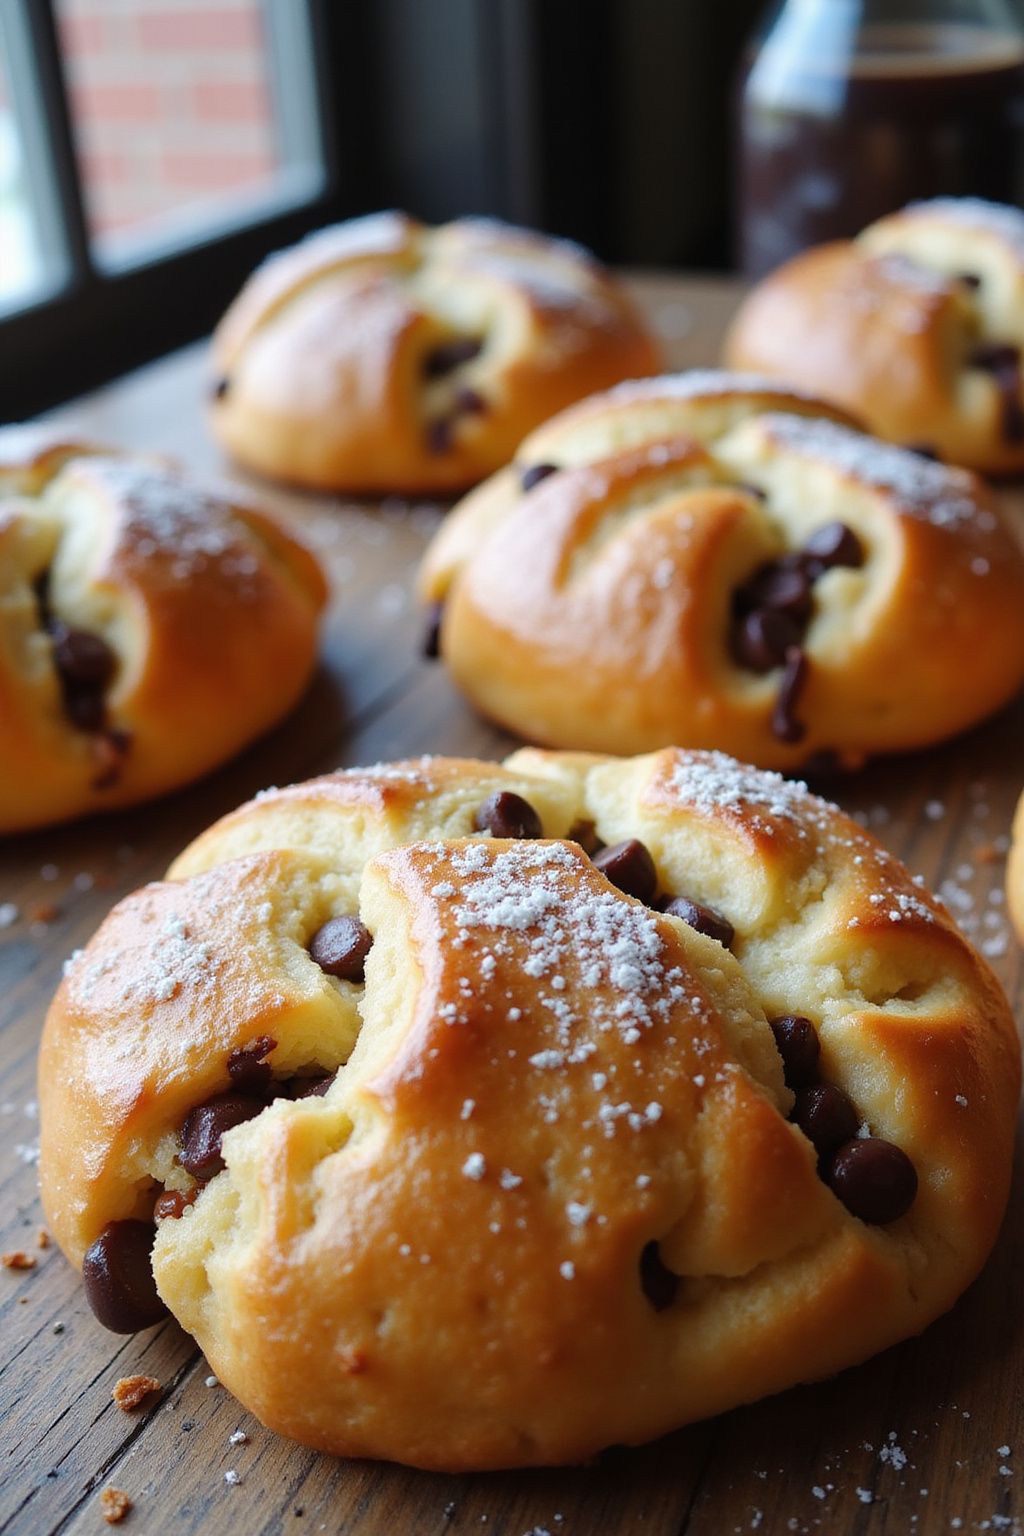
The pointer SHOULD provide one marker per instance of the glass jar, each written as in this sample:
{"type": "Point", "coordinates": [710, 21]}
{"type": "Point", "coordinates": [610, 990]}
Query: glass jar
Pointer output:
{"type": "Point", "coordinates": [850, 108]}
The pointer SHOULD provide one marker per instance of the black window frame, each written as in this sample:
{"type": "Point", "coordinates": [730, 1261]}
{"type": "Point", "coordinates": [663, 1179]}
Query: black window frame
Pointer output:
{"type": "Point", "coordinates": [167, 293]}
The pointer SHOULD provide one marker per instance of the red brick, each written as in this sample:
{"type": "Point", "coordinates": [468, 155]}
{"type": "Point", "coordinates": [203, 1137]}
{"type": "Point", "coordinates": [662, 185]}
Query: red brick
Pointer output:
{"type": "Point", "coordinates": [118, 103]}
{"type": "Point", "coordinates": [205, 27]}
{"type": "Point", "coordinates": [215, 170]}
{"type": "Point", "coordinates": [81, 32]}
{"type": "Point", "coordinates": [231, 101]}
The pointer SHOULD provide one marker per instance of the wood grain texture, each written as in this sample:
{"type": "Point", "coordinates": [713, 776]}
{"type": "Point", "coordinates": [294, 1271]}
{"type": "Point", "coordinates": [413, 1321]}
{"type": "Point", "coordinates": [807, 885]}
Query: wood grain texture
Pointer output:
{"type": "Point", "coordinates": [909, 1442]}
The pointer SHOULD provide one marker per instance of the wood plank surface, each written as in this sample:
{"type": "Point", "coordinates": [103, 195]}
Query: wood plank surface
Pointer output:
{"type": "Point", "coordinates": [926, 1438]}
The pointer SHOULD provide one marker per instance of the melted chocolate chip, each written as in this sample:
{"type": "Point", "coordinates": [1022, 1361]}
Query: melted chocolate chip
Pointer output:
{"type": "Point", "coordinates": [469, 402]}
{"type": "Point", "coordinates": [205, 1127]}
{"type": "Point", "coordinates": [753, 490]}
{"type": "Point", "coordinates": [969, 279]}
{"type": "Point", "coordinates": [440, 434]}
{"type": "Point", "coordinates": [657, 1281]}
{"type": "Point", "coordinates": [585, 833]}
{"type": "Point", "coordinates": [1002, 360]}
{"type": "Point", "coordinates": [109, 750]}
{"type": "Point", "coordinates": [341, 946]}
{"type": "Point", "coordinates": [831, 545]}
{"type": "Point", "coordinates": [505, 814]}
{"type": "Point", "coordinates": [705, 919]}
{"type": "Point", "coordinates": [312, 1087]}
{"type": "Point", "coordinates": [172, 1203]}
{"type": "Point", "coordinates": [220, 387]}
{"type": "Point", "coordinates": [761, 640]}
{"type": "Point", "coordinates": [82, 657]}
{"type": "Point", "coordinates": [782, 585]}
{"type": "Point", "coordinates": [629, 866]}
{"type": "Point", "coordinates": [431, 645]}
{"type": "Point", "coordinates": [826, 1116]}
{"type": "Point", "coordinates": [785, 726]}
{"type": "Point", "coordinates": [533, 474]}
{"type": "Point", "coordinates": [799, 1046]}
{"type": "Point", "coordinates": [449, 355]}
{"type": "Point", "coordinates": [117, 1272]}
{"type": "Point", "coordinates": [248, 1071]}
{"type": "Point", "coordinates": [874, 1179]}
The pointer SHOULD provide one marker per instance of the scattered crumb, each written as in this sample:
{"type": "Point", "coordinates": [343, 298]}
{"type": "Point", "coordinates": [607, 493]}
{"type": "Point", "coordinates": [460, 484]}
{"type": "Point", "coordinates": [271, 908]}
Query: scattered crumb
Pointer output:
{"type": "Point", "coordinates": [17, 1260]}
{"type": "Point", "coordinates": [116, 1505]}
{"type": "Point", "coordinates": [232, 1477]}
{"type": "Point", "coordinates": [58, 1328]}
{"type": "Point", "coordinates": [211, 1381]}
{"type": "Point", "coordinates": [42, 1238]}
{"type": "Point", "coordinates": [130, 1392]}
{"type": "Point", "coordinates": [239, 1437]}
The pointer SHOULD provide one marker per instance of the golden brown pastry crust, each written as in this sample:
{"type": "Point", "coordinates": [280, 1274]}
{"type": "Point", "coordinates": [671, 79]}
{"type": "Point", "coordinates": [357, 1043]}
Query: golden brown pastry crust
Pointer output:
{"type": "Point", "coordinates": [208, 607]}
{"type": "Point", "coordinates": [437, 1261]}
{"type": "Point", "coordinates": [325, 355]}
{"type": "Point", "coordinates": [594, 610]}
{"type": "Point", "coordinates": [887, 325]}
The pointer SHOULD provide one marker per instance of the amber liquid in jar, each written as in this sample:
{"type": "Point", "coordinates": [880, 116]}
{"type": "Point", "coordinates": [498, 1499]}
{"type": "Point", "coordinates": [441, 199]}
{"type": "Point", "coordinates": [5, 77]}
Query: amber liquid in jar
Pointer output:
{"type": "Point", "coordinates": [917, 111]}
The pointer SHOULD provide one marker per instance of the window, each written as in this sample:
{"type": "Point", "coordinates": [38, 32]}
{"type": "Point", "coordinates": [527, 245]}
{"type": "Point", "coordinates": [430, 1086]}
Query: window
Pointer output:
{"type": "Point", "coordinates": [182, 116]}
{"type": "Point", "coordinates": [151, 152]}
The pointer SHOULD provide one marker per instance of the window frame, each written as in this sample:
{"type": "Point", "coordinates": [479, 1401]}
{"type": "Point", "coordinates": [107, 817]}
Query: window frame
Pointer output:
{"type": "Point", "coordinates": [162, 290]}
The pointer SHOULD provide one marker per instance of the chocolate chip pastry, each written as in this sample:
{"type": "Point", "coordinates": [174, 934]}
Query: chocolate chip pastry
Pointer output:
{"type": "Point", "coordinates": [379, 355]}
{"type": "Point", "coordinates": [666, 564]}
{"type": "Point", "coordinates": [917, 326]}
{"type": "Point", "coordinates": [475, 1116]}
{"type": "Point", "coordinates": [149, 629]}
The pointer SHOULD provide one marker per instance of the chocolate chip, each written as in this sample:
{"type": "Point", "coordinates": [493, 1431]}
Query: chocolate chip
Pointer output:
{"type": "Point", "coordinates": [431, 646]}
{"type": "Point", "coordinates": [86, 708]}
{"type": "Point", "coordinates": [826, 1116]}
{"type": "Point", "coordinates": [753, 490]}
{"type": "Point", "coordinates": [505, 814]}
{"type": "Point", "coordinates": [204, 1129]}
{"type": "Point", "coordinates": [584, 832]}
{"type": "Point", "coordinates": [82, 657]}
{"type": "Point", "coordinates": [657, 1281]}
{"type": "Point", "coordinates": [799, 1046]}
{"type": "Point", "coordinates": [831, 545]}
{"type": "Point", "coordinates": [762, 638]}
{"type": "Point", "coordinates": [969, 279]}
{"type": "Point", "coordinates": [220, 387]}
{"type": "Point", "coordinates": [705, 919]}
{"type": "Point", "coordinates": [469, 402]}
{"type": "Point", "coordinates": [1002, 360]}
{"type": "Point", "coordinates": [341, 946]}
{"type": "Point", "coordinates": [924, 451]}
{"type": "Point", "coordinates": [629, 866]}
{"type": "Point", "coordinates": [874, 1179]}
{"type": "Point", "coordinates": [248, 1071]}
{"type": "Point", "coordinates": [312, 1087]}
{"type": "Point", "coordinates": [449, 355]}
{"type": "Point", "coordinates": [117, 1272]}
{"type": "Point", "coordinates": [785, 725]}
{"type": "Point", "coordinates": [172, 1203]}
{"type": "Point", "coordinates": [109, 750]}
{"type": "Point", "coordinates": [533, 474]}
{"type": "Point", "coordinates": [440, 434]}
{"type": "Point", "coordinates": [782, 585]}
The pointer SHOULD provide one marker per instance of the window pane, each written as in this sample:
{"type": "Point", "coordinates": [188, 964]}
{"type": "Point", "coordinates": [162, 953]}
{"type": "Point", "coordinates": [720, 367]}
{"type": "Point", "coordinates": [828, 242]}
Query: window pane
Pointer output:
{"type": "Point", "coordinates": [23, 273]}
{"type": "Point", "coordinates": [178, 113]}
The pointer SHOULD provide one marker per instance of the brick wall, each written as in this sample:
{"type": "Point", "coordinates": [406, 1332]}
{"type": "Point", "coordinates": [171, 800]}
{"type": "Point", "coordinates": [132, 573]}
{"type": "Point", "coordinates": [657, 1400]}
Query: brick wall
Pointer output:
{"type": "Point", "coordinates": [171, 104]}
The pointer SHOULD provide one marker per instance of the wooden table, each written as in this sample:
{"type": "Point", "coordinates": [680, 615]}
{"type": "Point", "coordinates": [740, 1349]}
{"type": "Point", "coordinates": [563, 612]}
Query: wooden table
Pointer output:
{"type": "Point", "coordinates": [908, 1443]}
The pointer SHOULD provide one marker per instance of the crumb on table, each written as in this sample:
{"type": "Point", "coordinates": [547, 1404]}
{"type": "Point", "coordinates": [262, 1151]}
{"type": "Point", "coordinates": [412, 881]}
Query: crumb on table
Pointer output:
{"type": "Point", "coordinates": [116, 1505]}
{"type": "Point", "coordinates": [131, 1391]}
{"type": "Point", "coordinates": [42, 1238]}
{"type": "Point", "coordinates": [17, 1259]}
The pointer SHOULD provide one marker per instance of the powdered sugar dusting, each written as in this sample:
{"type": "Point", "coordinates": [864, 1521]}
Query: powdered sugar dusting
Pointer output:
{"type": "Point", "coordinates": [925, 489]}
{"type": "Point", "coordinates": [714, 382]}
{"type": "Point", "coordinates": [709, 782]}
{"type": "Point", "coordinates": [1006, 223]}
